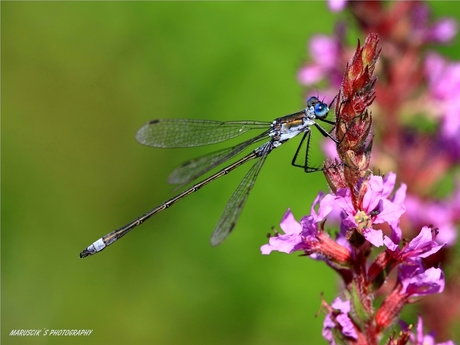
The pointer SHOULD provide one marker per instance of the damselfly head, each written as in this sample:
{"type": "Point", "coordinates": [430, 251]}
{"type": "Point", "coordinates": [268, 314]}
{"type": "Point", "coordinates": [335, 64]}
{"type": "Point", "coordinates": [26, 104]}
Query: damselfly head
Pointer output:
{"type": "Point", "coordinates": [320, 109]}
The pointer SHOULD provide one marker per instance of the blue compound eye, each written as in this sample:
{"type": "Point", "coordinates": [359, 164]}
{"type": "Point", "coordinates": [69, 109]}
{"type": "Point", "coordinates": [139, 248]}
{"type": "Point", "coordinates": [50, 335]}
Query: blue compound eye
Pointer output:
{"type": "Point", "coordinates": [321, 109]}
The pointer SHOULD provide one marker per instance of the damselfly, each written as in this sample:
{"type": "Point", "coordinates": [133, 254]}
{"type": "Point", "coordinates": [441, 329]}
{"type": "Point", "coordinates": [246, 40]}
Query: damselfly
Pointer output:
{"type": "Point", "coordinates": [171, 133]}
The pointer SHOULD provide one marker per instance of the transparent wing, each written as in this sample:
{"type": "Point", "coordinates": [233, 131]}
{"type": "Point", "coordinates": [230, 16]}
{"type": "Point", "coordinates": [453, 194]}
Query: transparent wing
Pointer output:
{"type": "Point", "coordinates": [194, 168]}
{"type": "Point", "coordinates": [235, 205]}
{"type": "Point", "coordinates": [189, 133]}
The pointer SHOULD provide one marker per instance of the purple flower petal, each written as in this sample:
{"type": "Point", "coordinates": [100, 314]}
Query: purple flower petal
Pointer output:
{"type": "Point", "coordinates": [424, 283]}
{"type": "Point", "coordinates": [282, 243]}
{"type": "Point", "coordinates": [326, 206]}
{"type": "Point", "coordinates": [389, 182]}
{"type": "Point", "coordinates": [443, 214]}
{"type": "Point", "coordinates": [310, 74]}
{"type": "Point", "coordinates": [374, 236]}
{"type": "Point", "coordinates": [390, 212]}
{"type": "Point", "coordinates": [443, 30]}
{"type": "Point", "coordinates": [373, 194]}
{"type": "Point", "coordinates": [390, 244]}
{"type": "Point", "coordinates": [342, 318]}
{"type": "Point", "coordinates": [343, 200]}
{"type": "Point", "coordinates": [396, 233]}
{"type": "Point", "coordinates": [289, 225]}
{"type": "Point", "coordinates": [426, 339]}
{"type": "Point", "coordinates": [336, 5]}
{"type": "Point", "coordinates": [422, 245]}
{"type": "Point", "coordinates": [400, 194]}
{"type": "Point", "coordinates": [329, 149]}
{"type": "Point", "coordinates": [287, 242]}
{"type": "Point", "coordinates": [324, 50]}
{"type": "Point", "coordinates": [343, 306]}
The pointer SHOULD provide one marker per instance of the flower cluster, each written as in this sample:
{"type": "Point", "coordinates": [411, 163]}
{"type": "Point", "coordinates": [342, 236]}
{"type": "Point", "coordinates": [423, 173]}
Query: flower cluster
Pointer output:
{"type": "Point", "coordinates": [372, 252]}
{"type": "Point", "coordinates": [350, 257]}
{"type": "Point", "coordinates": [414, 131]}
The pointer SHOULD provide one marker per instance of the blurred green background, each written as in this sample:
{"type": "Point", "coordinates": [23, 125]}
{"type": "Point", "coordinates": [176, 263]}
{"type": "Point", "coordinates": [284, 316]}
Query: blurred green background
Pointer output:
{"type": "Point", "coordinates": [78, 80]}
